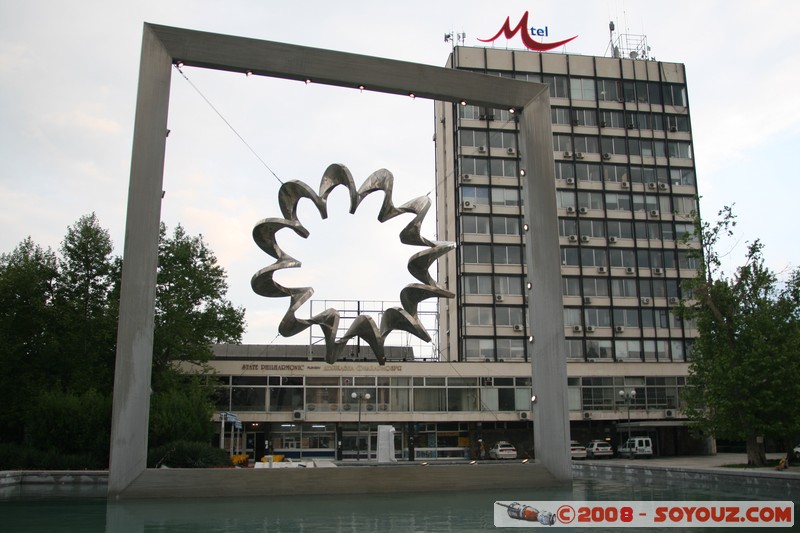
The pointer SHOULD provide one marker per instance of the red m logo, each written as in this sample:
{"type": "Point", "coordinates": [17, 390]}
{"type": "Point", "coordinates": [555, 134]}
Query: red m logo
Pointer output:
{"type": "Point", "coordinates": [527, 40]}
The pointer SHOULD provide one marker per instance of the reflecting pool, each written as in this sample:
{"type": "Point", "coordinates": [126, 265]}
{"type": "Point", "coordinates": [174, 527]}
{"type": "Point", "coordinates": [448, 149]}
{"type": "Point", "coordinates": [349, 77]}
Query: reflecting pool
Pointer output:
{"type": "Point", "coordinates": [454, 511]}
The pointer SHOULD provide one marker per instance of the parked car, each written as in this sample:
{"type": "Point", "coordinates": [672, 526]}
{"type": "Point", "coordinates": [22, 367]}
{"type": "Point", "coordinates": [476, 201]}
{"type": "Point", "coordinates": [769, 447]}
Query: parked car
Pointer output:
{"type": "Point", "coordinates": [576, 450]}
{"type": "Point", "coordinates": [503, 450]}
{"type": "Point", "coordinates": [636, 447]}
{"type": "Point", "coordinates": [796, 452]}
{"type": "Point", "coordinates": [597, 449]}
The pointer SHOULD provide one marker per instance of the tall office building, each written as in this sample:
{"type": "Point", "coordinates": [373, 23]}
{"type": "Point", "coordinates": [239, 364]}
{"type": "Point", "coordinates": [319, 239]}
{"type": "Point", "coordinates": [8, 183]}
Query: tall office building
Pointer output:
{"type": "Point", "coordinates": [626, 194]}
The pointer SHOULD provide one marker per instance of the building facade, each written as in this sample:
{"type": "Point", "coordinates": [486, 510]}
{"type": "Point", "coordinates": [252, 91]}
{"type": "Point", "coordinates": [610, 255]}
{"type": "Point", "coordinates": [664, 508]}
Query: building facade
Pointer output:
{"type": "Point", "coordinates": [626, 198]}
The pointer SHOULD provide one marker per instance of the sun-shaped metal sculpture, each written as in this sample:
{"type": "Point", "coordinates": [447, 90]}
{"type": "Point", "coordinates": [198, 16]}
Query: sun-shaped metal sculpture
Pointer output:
{"type": "Point", "coordinates": [396, 318]}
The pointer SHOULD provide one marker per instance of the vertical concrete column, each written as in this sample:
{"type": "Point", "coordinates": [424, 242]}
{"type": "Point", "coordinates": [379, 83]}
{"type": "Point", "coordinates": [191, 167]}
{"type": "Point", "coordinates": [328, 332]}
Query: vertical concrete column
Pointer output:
{"type": "Point", "coordinates": [136, 314]}
{"type": "Point", "coordinates": [545, 304]}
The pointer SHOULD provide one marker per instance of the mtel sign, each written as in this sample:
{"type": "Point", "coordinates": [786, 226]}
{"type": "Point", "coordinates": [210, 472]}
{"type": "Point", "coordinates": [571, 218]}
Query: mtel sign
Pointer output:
{"type": "Point", "coordinates": [527, 40]}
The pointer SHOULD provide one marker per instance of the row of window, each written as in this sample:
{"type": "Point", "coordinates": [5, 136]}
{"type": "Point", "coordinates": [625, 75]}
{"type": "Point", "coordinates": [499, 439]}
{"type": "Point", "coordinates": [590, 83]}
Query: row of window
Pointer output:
{"type": "Point", "coordinates": [514, 349]}
{"type": "Point", "coordinates": [607, 118]}
{"type": "Point", "coordinates": [493, 316]}
{"type": "Point", "coordinates": [574, 256]}
{"type": "Point", "coordinates": [591, 144]}
{"type": "Point", "coordinates": [622, 229]}
{"type": "Point", "coordinates": [627, 201]}
{"type": "Point", "coordinates": [621, 287]}
{"type": "Point", "coordinates": [566, 170]}
{"type": "Point", "coordinates": [602, 393]}
{"type": "Point", "coordinates": [487, 284]}
{"type": "Point", "coordinates": [630, 317]}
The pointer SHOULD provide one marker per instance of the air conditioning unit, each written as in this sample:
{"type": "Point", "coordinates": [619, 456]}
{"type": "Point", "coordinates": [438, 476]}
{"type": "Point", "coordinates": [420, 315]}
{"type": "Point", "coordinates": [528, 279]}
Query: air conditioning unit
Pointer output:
{"type": "Point", "coordinates": [518, 327]}
{"type": "Point", "coordinates": [578, 155]}
{"type": "Point", "coordinates": [583, 210]}
{"type": "Point", "coordinates": [658, 271]}
{"type": "Point", "coordinates": [585, 238]}
{"type": "Point", "coordinates": [612, 240]}
{"type": "Point", "coordinates": [466, 177]}
{"type": "Point", "coordinates": [298, 415]}
{"type": "Point", "coordinates": [669, 413]}
{"type": "Point", "coordinates": [482, 149]}
{"type": "Point", "coordinates": [651, 185]}
{"type": "Point", "coordinates": [662, 186]}
{"type": "Point", "coordinates": [468, 204]}
{"type": "Point", "coordinates": [573, 238]}
{"type": "Point", "coordinates": [606, 156]}
{"type": "Point", "coordinates": [625, 185]}
{"type": "Point", "coordinates": [570, 181]}
{"type": "Point", "coordinates": [602, 270]}
{"type": "Point", "coordinates": [498, 297]}
{"type": "Point", "coordinates": [619, 329]}
{"type": "Point", "coordinates": [645, 301]}
{"type": "Point", "coordinates": [310, 407]}
{"type": "Point", "coordinates": [577, 329]}
{"type": "Point", "coordinates": [587, 414]}
{"type": "Point", "coordinates": [511, 151]}
{"type": "Point", "coordinates": [571, 210]}
{"type": "Point", "coordinates": [674, 301]}
{"type": "Point", "coordinates": [587, 300]}
{"type": "Point", "coordinates": [589, 329]}
{"type": "Point", "coordinates": [653, 212]}
{"type": "Point", "coordinates": [630, 270]}
{"type": "Point", "coordinates": [567, 154]}
{"type": "Point", "coordinates": [524, 415]}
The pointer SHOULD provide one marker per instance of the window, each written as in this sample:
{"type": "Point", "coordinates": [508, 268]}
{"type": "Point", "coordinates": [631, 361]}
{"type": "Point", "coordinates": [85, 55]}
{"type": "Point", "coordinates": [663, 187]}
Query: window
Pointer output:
{"type": "Point", "coordinates": [685, 230]}
{"type": "Point", "coordinates": [511, 285]}
{"type": "Point", "coordinates": [595, 286]}
{"type": "Point", "coordinates": [623, 287]}
{"type": "Point", "coordinates": [562, 143]}
{"type": "Point", "coordinates": [569, 256]}
{"type": "Point", "coordinates": [565, 199]}
{"type": "Point", "coordinates": [616, 173]}
{"type": "Point", "coordinates": [588, 172]}
{"type": "Point", "coordinates": [564, 170]}
{"type": "Point", "coordinates": [608, 90]}
{"type": "Point", "coordinates": [628, 349]}
{"type": "Point", "coordinates": [594, 257]}
{"type": "Point", "coordinates": [475, 224]}
{"type": "Point", "coordinates": [558, 85]}
{"type": "Point", "coordinates": [622, 229]}
{"type": "Point", "coordinates": [674, 95]}
{"type": "Point", "coordinates": [472, 137]}
{"type": "Point", "coordinates": [512, 350]}
{"type": "Point", "coordinates": [667, 232]}
{"type": "Point", "coordinates": [611, 119]}
{"type": "Point", "coordinates": [582, 88]}
{"type": "Point", "coordinates": [687, 259]}
{"type": "Point", "coordinates": [622, 257]}
{"type": "Point", "coordinates": [567, 226]}
{"type": "Point", "coordinates": [477, 284]}
{"type": "Point", "coordinates": [677, 123]}
{"type": "Point", "coordinates": [572, 317]}
{"type": "Point", "coordinates": [560, 115]}
{"type": "Point", "coordinates": [508, 316]}
{"type": "Point", "coordinates": [476, 253]}
{"type": "Point", "coordinates": [475, 194]}
{"type": "Point", "coordinates": [680, 149]}
{"type": "Point", "coordinates": [598, 349]}
{"type": "Point", "coordinates": [470, 112]}
{"type": "Point", "coordinates": [597, 317]}
{"type": "Point", "coordinates": [502, 139]}
{"type": "Point", "coordinates": [504, 167]}
{"type": "Point", "coordinates": [584, 117]}
{"type": "Point", "coordinates": [574, 349]}
{"type": "Point", "coordinates": [570, 286]}
{"type": "Point", "coordinates": [618, 201]}
{"type": "Point", "coordinates": [505, 225]}
{"type": "Point", "coordinates": [627, 317]}
{"type": "Point", "coordinates": [478, 349]}
{"type": "Point", "coordinates": [507, 254]}
{"type": "Point", "coordinates": [590, 200]}
{"type": "Point", "coordinates": [585, 144]}
{"type": "Point", "coordinates": [477, 316]}
{"type": "Point", "coordinates": [682, 176]}
{"type": "Point", "coordinates": [475, 165]}
{"type": "Point", "coordinates": [685, 205]}
{"type": "Point", "coordinates": [613, 145]}
{"type": "Point", "coordinates": [592, 227]}
{"type": "Point", "coordinates": [505, 196]}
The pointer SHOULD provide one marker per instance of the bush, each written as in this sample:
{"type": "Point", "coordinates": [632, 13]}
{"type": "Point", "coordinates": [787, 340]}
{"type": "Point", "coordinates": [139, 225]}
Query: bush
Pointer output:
{"type": "Point", "coordinates": [20, 457]}
{"type": "Point", "coordinates": [186, 454]}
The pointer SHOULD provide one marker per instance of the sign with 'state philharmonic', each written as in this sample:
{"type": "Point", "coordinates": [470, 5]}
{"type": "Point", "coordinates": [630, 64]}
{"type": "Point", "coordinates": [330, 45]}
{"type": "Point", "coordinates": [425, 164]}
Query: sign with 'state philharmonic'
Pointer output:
{"type": "Point", "coordinates": [527, 33]}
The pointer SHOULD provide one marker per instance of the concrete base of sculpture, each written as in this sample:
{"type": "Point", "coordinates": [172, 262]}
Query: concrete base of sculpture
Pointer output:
{"type": "Point", "coordinates": [355, 479]}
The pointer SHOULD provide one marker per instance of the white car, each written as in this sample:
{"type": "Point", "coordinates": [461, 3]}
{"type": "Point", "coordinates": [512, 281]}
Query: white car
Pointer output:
{"type": "Point", "coordinates": [599, 449]}
{"type": "Point", "coordinates": [503, 450]}
{"type": "Point", "coordinates": [636, 447]}
{"type": "Point", "coordinates": [576, 450]}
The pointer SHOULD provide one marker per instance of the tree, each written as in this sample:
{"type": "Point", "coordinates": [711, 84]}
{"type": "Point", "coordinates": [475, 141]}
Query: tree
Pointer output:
{"type": "Point", "coordinates": [192, 312]}
{"type": "Point", "coordinates": [27, 339]}
{"type": "Point", "coordinates": [744, 378]}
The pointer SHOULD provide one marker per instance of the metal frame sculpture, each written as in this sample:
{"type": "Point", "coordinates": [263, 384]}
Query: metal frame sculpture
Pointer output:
{"type": "Point", "coordinates": [396, 318]}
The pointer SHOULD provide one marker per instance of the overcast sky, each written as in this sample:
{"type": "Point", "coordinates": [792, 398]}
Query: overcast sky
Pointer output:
{"type": "Point", "coordinates": [68, 75]}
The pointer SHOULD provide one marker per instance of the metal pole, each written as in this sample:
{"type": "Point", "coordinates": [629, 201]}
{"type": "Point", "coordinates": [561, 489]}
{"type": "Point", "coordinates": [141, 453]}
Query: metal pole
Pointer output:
{"type": "Point", "coordinates": [358, 441]}
{"type": "Point", "coordinates": [222, 431]}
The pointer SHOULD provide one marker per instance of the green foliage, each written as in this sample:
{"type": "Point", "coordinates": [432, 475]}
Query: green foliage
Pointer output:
{"type": "Point", "coordinates": [745, 372]}
{"type": "Point", "coordinates": [58, 322]}
{"type": "Point", "coordinates": [187, 454]}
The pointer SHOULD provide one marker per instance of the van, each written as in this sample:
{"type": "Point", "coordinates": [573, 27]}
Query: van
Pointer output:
{"type": "Point", "coordinates": [636, 447]}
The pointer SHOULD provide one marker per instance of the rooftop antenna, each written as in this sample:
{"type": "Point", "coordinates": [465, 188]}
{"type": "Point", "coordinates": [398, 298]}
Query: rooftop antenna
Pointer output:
{"type": "Point", "coordinates": [456, 39]}
{"type": "Point", "coordinates": [628, 45]}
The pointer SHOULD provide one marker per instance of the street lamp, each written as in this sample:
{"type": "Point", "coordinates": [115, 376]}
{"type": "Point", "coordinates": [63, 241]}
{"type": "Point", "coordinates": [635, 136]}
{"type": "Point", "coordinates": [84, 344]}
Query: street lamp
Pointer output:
{"type": "Point", "coordinates": [628, 398]}
{"type": "Point", "coordinates": [359, 396]}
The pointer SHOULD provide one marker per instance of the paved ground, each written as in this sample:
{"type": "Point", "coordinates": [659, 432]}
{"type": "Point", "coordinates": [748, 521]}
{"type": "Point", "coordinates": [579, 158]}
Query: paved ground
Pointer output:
{"type": "Point", "coordinates": [721, 460]}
